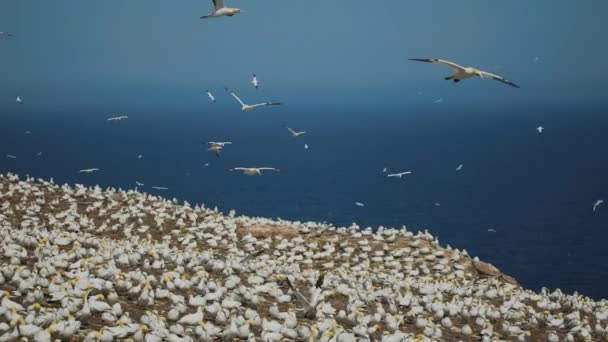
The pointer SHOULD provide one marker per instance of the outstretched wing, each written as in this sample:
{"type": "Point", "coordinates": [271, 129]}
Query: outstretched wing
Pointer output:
{"type": "Point", "coordinates": [237, 98]}
{"type": "Point", "coordinates": [497, 78]}
{"type": "Point", "coordinates": [441, 62]}
{"type": "Point", "coordinates": [268, 168]}
{"type": "Point", "coordinates": [218, 4]}
{"type": "Point", "coordinates": [300, 297]}
{"type": "Point", "coordinates": [272, 103]}
{"type": "Point", "coordinates": [291, 130]}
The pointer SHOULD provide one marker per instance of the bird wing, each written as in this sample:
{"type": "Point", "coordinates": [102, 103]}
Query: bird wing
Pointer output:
{"type": "Point", "coordinates": [485, 74]}
{"type": "Point", "coordinates": [300, 297]}
{"type": "Point", "coordinates": [240, 168]}
{"type": "Point", "coordinates": [291, 130]}
{"type": "Point", "coordinates": [267, 168]}
{"type": "Point", "coordinates": [218, 4]}
{"type": "Point", "coordinates": [441, 62]}
{"type": "Point", "coordinates": [238, 99]}
{"type": "Point", "coordinates": [252, 255]}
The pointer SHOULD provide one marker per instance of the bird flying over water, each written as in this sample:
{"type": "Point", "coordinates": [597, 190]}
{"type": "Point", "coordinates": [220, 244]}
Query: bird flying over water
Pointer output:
{"type": "Point", "coordinates": [254, 171]}
{"type": "Point", "coordinates": [459, 167]}
{"type": "Point", "coordinates": [400, 174]}
{"type": "Point", "coordinates": [306, 146]}
{"type": "Point", "coordinates": [88, 170]}
{"type": "Point", "coordinates": [255, 82]}
{"type": "Point", "coordinates": [463, 73]}
{"type": "Point", "coordinates": [18, 100]}
{"type": "Point", "coordinates": [160, 188]}
{"type": "Point", "coordinates": [245, 107]}
{"type": "Point", "coordinates": [211, 97]}
{"type": "Point", "coordinates": [217, 147]}
{"type": "Point", "coordinates": [540, 129]}
{"type": "Point", "coordinates": [359, 204]}
{"type": "Point", "coordinates": [118, 118]}
{"type": "Point", "coordinates": [139, 184]}
{"type": "Point", "coordinates": [10, 156]}
{"type": "Point", "coordinates": [597, 204]}
{"type": "Point", "coordinates": [294, 133]}
{"type": "Point", "coordinates": [220, 10]}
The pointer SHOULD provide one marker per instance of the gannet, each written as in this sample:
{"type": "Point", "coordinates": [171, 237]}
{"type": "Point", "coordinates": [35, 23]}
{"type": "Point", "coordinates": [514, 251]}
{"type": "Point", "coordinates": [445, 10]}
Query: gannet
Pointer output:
{"type": "Point", "coordinates": [598, 203]}
{"type": "Point", "coordinates": [140, 156]}
{"type": "Point", "coordinates": [246, 107]}
{"type": "Point", "coordinates": [118, 118]}
{"type": "Point", "coordinates": [492, 230]}
{"type": "Point", "coordinates": [400, 174]}
{"type": "Point", "coordinates": [160, 188]}
{"type": "Point", "coordinates": [254, 171]}
{"type": "Point", "coordinates": [11, 156]}
{"type": "Point", "coordinates": [217, 147]}
{"type": "Point", "coordinates": [359, 204]}
{"type": "Point", "coordinates": [439, 100]}
{"type": "Point", "coordinates": [139, 184]}
{"type": "Point", "coordinates": [459, 167]}
{"type": "Point", "coordinates": [540, 129]}
{"type": "Point", "coordinates": [294, 133]}
{"type": "Point", "coordinates": [211, 97]}
{"type": "Point", "coordinates": [255, 82]}
{"type": "Point", "coordinates": [18, 100]}
{"type": "Point", "coordinates": [88, 170]}
{"type": "Point", "coordinates": [306, 146]}
{"type": "Point", "coordinates": [463, 73]}
{"type": "Point", "coordinates": [220, 10]}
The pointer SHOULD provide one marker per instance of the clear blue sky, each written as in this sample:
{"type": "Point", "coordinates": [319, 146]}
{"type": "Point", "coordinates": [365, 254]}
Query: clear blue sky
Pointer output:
{"type": "Point", "coordinates": [102, 50]}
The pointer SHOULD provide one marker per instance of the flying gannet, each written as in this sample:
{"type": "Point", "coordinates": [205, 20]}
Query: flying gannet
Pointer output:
{"type": "Point", "coordinates": [10, 156]}
{"type": "Point", "coordinates": [540, 129]}
{"type": "Point", "coordinates": [439, 100]}
{"type": "Point", "coordinates": [359, 204]}
{"type": "Point", "coordinates": [255, 82]}
{"type": "Point", "coordinates": [459, 167]}
{"type": "Point", "coordinates": [160, 188]}
{"type": "Point", "coordinates": [245, 107]}
{"type": "Point", "coordinates": [254, 171]}
{"type": "Point", "coordinates": [463, 73]}
{"type": "Point", "coordinates": [306, 146]}
{"type": "Point", "coordinates": [217, 147]}
{"type": "Point", "coordinates": [88, 170]}
{"type": "Point", "coordinates": [18, 100]}
{"type": "Point", "coordinates": [139, 184]}
{"type": "Point", "coordinates": [597, 204]}
{"type": "Point", "coordinates": [118, 118]}
{"type": "Point", "coordinates": [400, 174]}
{"type": "Point", "coordinates": [220, 10]}
{"type": "Point", "coordinates": [211, 97]}
{"type": "Point", "coordinates": [294, 133]}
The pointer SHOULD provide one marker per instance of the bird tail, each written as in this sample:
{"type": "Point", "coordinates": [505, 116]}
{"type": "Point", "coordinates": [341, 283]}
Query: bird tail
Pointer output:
{"type": "Point", "coordinates": [449, 78]}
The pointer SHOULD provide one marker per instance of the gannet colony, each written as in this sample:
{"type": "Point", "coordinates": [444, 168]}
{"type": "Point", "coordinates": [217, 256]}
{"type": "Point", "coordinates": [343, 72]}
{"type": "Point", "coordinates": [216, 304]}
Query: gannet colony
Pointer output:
{"type": "Point", "coordinates": [89, 264]}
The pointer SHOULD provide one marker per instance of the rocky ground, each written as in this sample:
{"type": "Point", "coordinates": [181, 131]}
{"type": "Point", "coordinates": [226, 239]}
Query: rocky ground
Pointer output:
{"type": "Point", "coordinates": [81, 263]}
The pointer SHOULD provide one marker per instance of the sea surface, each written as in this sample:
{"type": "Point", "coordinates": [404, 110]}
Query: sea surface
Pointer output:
{"type": "Point", "coordinates": [536, 191]}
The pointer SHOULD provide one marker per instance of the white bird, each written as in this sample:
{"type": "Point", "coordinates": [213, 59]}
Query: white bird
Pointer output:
{"type": "Point", "coordinates": [245, 107]}
{"type": "Point", "coordinates": [400, 174]}
{"type": "Point", "coordinates": [255, 82]}
{"type": "Point", "coordinates": [384, 170]}
{"type": "Point", "coordinates": [140, 156]}
{"type": "Point", "coordinates": [491, 230]}
{"type": "Point", "coordinates": [598, 203]}
{"type": "Point", "coordinates": [18, 99]}
{"type": "Point", "coordinates": [306, 146]}
{"type": "Point", "coordinates": [139, 184]}
{"type": "Point", "coordinates": [10, 156]}
{"type": "Point", "coordinates": [118, 118]}
{"type": "Point", "coordinates": [359, 204]}
{"type": "Point", "coordinates": [459, 167]}
{"type": "Point", "coordinates": [294, 133]}
{"type": "Point", "coordinates": [217, 147]}
{"type": "Point", "coordinates": [160, 188]}
{"type": "Point", "coordinates": [254, 171]}
{"type": "Point", "coordinates": [463, 73]}
{"type": "Point", "coordinates": [206, 164]}
{"type": "Point", "coordinates": [439, 100]}
{"type": "Point", "coordinates": [540, 129]}
{"type": "Point", "coordinates": [211, 97]}
{"type": "Point", "coordinates": [220, 10]}
{"type": "Point", "coordinates": [88, 170]}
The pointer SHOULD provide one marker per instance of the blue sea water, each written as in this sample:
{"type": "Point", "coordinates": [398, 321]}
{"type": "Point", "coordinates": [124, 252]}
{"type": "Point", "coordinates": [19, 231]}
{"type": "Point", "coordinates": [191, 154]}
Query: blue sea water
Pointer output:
{"type": "Point", "coordinates": [536, 191]}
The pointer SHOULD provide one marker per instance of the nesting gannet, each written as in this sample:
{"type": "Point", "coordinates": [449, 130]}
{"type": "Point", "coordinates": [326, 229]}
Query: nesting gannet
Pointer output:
{"type": "Point", "coordinates": [255, 82]}
{"type": "Point", "coordinates": [294, 133]}
{"type": "Point", "coordinates": [245, 107]}
{"type": "Point", "coordinates": [597, 204]}
{"type": "Point", "coordinates": [254, 171]}
{"type": "Point", "coordinates": [18, 100]}
{"type": "Point", "coordinates": [400, 174]}
{"type": "Point", "coordinates": [88, 170]}
{"type": "Point", "coordinates": [463, 73]}
{"type": "Point", "coordinates": [220, 10]}
{"type": "Point", "coordinates": [217, 147]}
{"type": "Point", "coordinates": [211, 97]}
{"type": "Point", "coordinates": [459, 167]}
{"type": "Point", "coordinates": [540, 129]}
{"type": "Point", "coordinates": [118, 118]}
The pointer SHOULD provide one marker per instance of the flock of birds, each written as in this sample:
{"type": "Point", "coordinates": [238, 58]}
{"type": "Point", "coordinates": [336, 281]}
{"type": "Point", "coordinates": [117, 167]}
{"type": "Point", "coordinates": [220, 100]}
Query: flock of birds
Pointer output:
{"type": "Point", "coordinates": [86, 264]}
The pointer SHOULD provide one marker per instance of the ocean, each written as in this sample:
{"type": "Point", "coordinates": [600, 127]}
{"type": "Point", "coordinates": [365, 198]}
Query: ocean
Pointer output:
{"type": "Point", "coordinates": [536, 191]}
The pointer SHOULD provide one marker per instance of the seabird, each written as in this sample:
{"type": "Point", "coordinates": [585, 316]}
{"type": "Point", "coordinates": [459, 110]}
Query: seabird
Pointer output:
{"type": "Point", "coordinates": [384, 170]}
{"type": "Point", "coordinates": [255, 82]}
{"type": "Point", "coordinates": [140, 156]}
{"type": "Point", "coordinates": [118, 118]}
{"type": "Point", "coordinates": [463, 73]}
{"type": "Point", "coordinates": [245, 107]}
{"type": "Point", "coordinates": [306, 146]}
{"type": "Point", "coordinates": [294, 133]}
{"type": "Point", "coordinates": [254, 171]}
{"type": "Point", "coordinates": [139, 184]}
{"type": "Point", "coordinates": [439, 100]}
{"type": "Point", "coordinates": [88, 170]}
{"type": "Point", "coordinates": [211, 97]}
{"type": "Point", "coordinates": [598, 203]}
{"type": "Point", "coordinates": [400, 174]}
{"type": "Point", "coordinates": [217, 147]}
{"type": "Point", "coordinates": [540, 129]}
{"type": "Point", "coordinates": [359, 204]}
{"type": "Point", "coordinates": [220, 10]}
{"type": "Point", "coordinates": [459, 167]}
{"type": "Point", "coordinates": [160, 188]}
{"type": "Point", "coordinates": [492, 230]}
{"type": "Point", "coordinates": [18, 100]}
{"type": "Point", "coordinates": [10, 156]}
